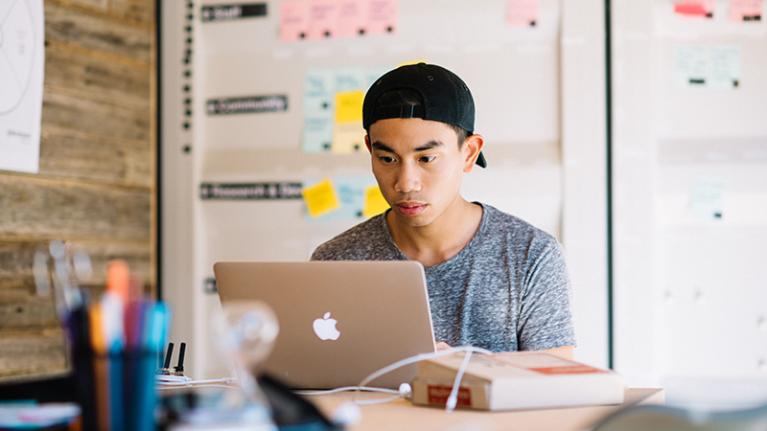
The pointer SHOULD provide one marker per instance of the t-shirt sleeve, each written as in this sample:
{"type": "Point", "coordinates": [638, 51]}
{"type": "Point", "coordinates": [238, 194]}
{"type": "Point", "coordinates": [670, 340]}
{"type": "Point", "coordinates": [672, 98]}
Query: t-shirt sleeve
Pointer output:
{"type": "Point", "coordinates": [545, 320]}
{"type": "Point", "coordinates": [323, 252]}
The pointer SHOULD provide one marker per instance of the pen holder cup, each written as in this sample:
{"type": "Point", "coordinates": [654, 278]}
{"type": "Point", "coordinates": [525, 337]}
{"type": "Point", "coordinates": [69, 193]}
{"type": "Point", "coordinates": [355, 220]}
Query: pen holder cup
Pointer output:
{"type": "Point", "coordinates": [116, 390]}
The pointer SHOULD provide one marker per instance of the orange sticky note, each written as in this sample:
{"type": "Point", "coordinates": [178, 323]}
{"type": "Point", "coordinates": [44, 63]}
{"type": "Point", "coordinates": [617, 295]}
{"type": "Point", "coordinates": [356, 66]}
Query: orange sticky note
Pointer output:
{"type": "Point", "coordinates": [321, 198]}
{"type": "Point", "coordinates": [374, 202]}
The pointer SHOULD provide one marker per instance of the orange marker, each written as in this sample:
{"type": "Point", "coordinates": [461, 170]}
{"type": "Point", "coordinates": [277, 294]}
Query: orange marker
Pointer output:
{"type": "Point", "coordinates": [100, 366]}
{"type": "Point", "coordinates": [118, 279]}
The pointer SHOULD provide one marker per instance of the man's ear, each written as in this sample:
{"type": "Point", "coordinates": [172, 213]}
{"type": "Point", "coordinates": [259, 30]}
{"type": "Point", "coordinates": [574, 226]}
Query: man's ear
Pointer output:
{"type": "Point", "coordinates": [367, 143]}
{"type": "Point", "coordinates": [472, 146]}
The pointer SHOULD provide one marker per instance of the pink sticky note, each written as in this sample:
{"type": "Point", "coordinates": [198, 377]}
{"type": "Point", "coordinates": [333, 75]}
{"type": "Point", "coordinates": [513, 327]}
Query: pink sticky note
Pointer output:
{"type": "Point", "coordinates": [380, 16]}
{"type": "Point", "coordinates": [323, 16]}
{"type": "Point", "coordinates": [350, 18]}
{"type": "Point", "coordinates": [746, 10]}
{"type": "Point", "coordinates": [695, 8]}
{"type": "Point", "coordinates": [522, 13]}
{"type": "Point", "coordinates": [294, 20]}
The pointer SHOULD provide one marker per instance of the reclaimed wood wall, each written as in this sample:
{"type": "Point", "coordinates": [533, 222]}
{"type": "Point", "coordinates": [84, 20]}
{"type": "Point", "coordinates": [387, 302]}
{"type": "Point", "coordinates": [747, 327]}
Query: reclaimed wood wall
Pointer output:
{"type": "Point", "coordinates": [96, 185]}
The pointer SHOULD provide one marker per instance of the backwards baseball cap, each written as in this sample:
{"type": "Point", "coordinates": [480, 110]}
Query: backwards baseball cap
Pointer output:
{"type": "Point", "coordinates": [424, 91]}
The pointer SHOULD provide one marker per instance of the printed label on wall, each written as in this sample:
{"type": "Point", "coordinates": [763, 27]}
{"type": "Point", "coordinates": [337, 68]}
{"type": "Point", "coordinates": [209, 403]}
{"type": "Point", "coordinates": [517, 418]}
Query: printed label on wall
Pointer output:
{"type": "Point", "coordinates": [229, 12]}
{"type": "Point", "coordinates": [247, 105]}
{"type": "Point", "coordinates": [250, 191]}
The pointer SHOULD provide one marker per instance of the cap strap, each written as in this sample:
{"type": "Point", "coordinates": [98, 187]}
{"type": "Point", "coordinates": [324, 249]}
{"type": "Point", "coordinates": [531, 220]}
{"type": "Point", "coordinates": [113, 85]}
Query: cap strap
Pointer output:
{"type": "Point", "coordinates": [399, 111]}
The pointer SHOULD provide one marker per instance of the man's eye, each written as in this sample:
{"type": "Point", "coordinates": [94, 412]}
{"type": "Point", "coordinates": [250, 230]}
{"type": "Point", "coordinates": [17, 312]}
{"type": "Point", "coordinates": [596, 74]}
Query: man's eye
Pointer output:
{"type": "Point", "coordinates": [427, 159]}
{"type": "Point", "coordinates": [386, 159]}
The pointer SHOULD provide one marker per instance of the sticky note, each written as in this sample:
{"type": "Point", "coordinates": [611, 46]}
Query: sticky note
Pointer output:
{"type": "Point", "coordinates": [707, 199]}
{"type": "Point", "coordinates": [692, 65]}
{"type": "Point", "coordinates": [695, 8]}
{"type": "Point", "coordinates": [294, 20]}
{"type": "Point", "coordinates": [725, 66]}
{"type": "Point", "coordinates": [348, 106]}
{"type": "Point", "coordinates": [323, 16]}
{"type": "Point", "coordinates": [522, 13]}
{"type": "Point", "coordinates": [317, 135]}
{"type": "Point", "coordinates": [407, 63]}
{"type": "Point", "coordinates": [351, 196]}
{"type": "Point", "coordinates": [318, 112]}
{"type": "Point", "coordinates": [350, 18]}
{"type": "Point", "coordinates": [746, 10]}
{"type": "Point", "coordinates": [320, 198]}
{"type": "Point", "coordinates": [348, 79]}
{"type": "Point", "coordinates": [380, 17]}
{"type": "Point", "coordinates": [374, 202]}
{"type": "Point", "coordinates": [348, 138]}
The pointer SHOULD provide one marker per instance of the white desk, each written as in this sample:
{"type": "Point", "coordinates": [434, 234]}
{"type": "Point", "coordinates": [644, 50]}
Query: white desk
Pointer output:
{"type": "Point", "coordinates": [402, 415]}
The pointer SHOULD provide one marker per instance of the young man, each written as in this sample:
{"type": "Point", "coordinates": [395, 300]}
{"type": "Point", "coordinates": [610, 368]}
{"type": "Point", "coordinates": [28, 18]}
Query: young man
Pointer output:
{"type": "Point", "coordinates": [494, 281]}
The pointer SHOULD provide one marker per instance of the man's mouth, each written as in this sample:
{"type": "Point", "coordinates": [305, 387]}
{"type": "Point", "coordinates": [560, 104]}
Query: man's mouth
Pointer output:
{"type": "Point", "coordinates": [411, 208]}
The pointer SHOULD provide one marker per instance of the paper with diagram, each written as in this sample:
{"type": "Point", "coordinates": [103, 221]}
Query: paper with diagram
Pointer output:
{"type": "Point", "coordinates": [21, 83]}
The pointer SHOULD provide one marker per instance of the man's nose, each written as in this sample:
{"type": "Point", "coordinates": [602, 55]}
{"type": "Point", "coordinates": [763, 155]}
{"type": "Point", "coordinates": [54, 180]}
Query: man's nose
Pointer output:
{"type": "Point", "coordinates": [408, 179]}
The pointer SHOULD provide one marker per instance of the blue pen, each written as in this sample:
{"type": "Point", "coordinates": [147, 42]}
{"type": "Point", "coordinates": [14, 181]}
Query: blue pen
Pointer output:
{"type": "Point", "coordinates": [113, 310]}
{"type": "Point", "coordinates": [154, 337]}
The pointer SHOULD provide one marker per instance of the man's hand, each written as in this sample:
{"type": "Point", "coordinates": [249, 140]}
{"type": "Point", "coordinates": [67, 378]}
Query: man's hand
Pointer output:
{"type": "Point", "coordinates": [442, 346]}
{"type": "Point", "coordinates": [563, 352]}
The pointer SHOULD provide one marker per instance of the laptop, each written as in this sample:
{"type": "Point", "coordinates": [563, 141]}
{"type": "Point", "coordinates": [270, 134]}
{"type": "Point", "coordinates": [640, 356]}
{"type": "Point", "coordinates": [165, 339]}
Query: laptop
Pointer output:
{"type": "Point", "coordinates": [339, 320]}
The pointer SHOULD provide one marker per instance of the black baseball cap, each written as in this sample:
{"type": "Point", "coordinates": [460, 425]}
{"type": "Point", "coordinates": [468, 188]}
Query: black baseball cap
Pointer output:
{"type": "Point", "coordinates": [424, 91]}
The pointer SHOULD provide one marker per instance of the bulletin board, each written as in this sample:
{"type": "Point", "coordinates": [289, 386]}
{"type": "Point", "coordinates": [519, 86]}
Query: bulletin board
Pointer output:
{"type": "Point", "coordinates": [691, 189]}
{"type": "Point", "coordinates": [269, 109]}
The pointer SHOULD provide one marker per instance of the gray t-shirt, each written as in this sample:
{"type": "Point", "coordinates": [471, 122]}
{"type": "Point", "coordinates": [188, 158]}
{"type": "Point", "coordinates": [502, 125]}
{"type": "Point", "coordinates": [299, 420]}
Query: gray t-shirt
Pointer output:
{"type": "Point", "coordinates": [507, 290]}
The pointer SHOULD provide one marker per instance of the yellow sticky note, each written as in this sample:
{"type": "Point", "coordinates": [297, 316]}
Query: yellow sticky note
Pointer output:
{"type": "Point", "coordinates": [374, 202]}
{"type": "Point", "coordinates": [349, 106]}
{"type": "Point", "coordinates": [321, 198]}
{"type": "Point", "coordinates": [408, 63]}
{"type": "Point", "coordinates": [348, 138]}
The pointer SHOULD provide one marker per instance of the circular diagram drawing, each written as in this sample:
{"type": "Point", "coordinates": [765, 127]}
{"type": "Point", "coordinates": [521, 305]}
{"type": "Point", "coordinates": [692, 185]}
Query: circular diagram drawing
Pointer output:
{"type": "Point", "coordinates": [17, 52]}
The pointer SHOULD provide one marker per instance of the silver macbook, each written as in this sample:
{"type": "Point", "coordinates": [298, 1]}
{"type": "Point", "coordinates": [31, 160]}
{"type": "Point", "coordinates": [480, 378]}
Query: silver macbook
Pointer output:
{"type": "Point", "coordinates": [339, 321]}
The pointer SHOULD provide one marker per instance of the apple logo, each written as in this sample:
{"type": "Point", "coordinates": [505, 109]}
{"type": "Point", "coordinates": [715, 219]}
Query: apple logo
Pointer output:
{"type": "Point", "coordinates": [325, 328]}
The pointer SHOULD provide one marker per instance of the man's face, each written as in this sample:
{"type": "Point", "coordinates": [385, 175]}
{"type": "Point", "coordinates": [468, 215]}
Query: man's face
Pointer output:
{"type": "Point", "coordinates": [418, 166]}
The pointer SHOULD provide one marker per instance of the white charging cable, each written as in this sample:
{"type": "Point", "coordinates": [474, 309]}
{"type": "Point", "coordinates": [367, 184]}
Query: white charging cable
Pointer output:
{"type": "Point", "coordinates": [404, 390]}
{"type": "Point", "coordinates": [452, 399]}
{"type": "Point", "coordinates": [226, 382]}
{"type": "Point", "coordinates": [347, 389]}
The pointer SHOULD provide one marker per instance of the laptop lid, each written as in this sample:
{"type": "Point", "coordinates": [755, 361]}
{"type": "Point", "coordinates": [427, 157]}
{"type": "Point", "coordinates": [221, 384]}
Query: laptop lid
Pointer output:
{"type": "Point", "coordinates": [339, 320]}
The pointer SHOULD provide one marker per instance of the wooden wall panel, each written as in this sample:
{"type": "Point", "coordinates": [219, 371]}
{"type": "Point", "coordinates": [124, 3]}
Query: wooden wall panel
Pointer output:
{"type": "Point", "coordinates": [112, 35]}
{"type": "Point", "coordinates": [93, 75]}
{"type": "Point", "coordinates": [67, 109]}
{"type": "Point", "coordinates": [32, 353]}
{"type": "Point", "coordinates": [16, 275]}
{"type": "Point", "coordinates": [65, 152]}
{"type": "Point", "coordinates": [137, 11]}
{"type": "Point", "coordinates": [50, 209]}
{"type": "Point", "coordinates": [97, 182]}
